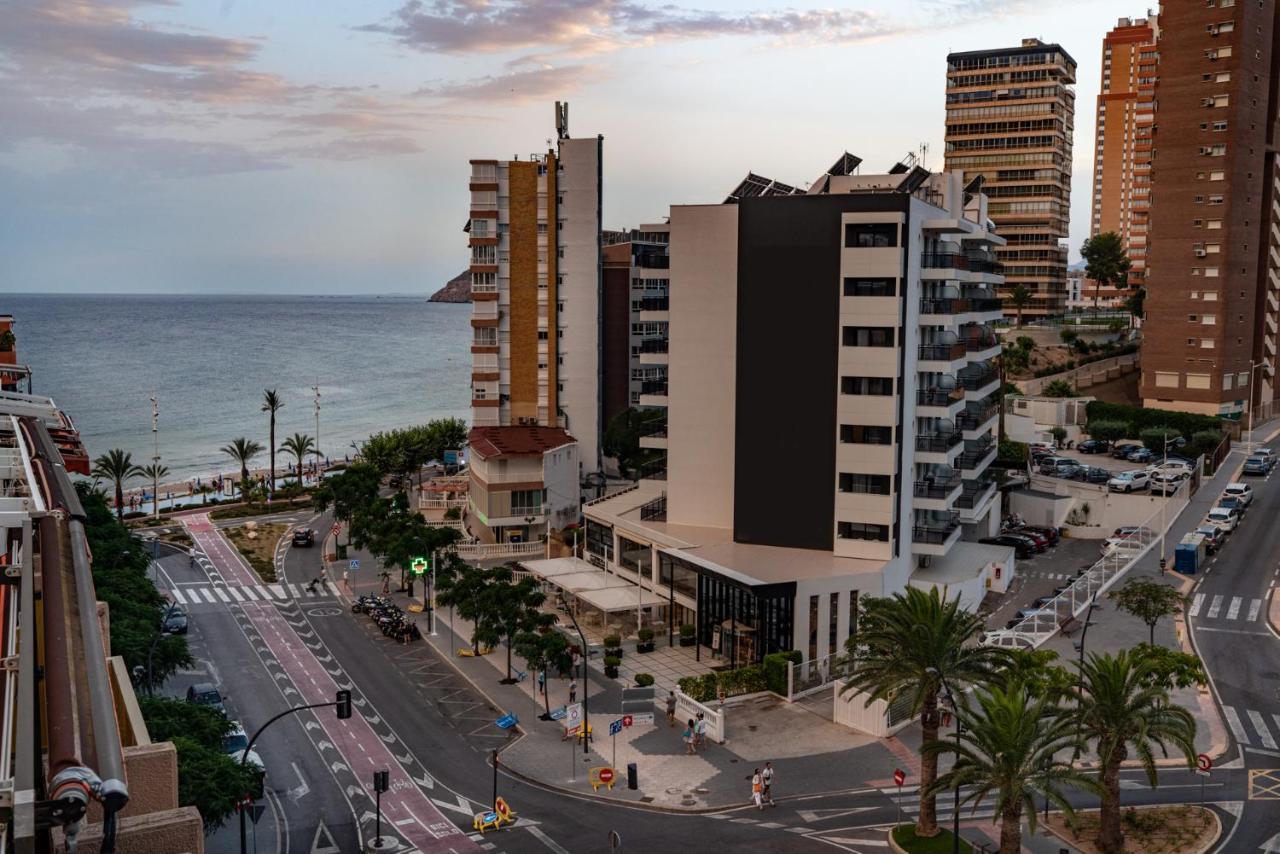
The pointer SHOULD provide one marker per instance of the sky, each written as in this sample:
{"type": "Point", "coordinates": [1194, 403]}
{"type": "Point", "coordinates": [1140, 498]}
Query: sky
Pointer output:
{"type": "Point", "coordinates": [322, 146]}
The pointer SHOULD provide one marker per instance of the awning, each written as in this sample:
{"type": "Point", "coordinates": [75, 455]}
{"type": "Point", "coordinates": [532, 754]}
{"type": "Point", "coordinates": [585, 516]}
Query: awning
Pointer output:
{"type": "Point", "coordinates": [615, 599]}
{"type": "Point", "coordinates": [591, 584]}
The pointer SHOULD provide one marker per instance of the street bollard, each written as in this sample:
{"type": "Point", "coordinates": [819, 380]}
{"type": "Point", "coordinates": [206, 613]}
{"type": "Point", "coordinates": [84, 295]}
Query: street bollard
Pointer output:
{"type": "Point", "coordinates": [633, 781]}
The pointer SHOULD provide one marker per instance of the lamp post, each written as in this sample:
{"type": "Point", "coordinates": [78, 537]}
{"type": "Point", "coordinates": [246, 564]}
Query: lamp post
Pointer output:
{"type": "Point", "coordinates": [1084, 632]}
{"type": "Point", "coordinates": [586, 717]}
{"type": "Point", "coordinates": [955, 713]}
{"type": "Point", "coordinates": [163, 633]}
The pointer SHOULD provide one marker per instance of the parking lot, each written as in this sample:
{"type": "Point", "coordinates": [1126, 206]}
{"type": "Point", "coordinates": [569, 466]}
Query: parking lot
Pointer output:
{"type": "Point", "coordinates": [1038, 576]}
{"type": "Point", "coordinates": [1102, 461]}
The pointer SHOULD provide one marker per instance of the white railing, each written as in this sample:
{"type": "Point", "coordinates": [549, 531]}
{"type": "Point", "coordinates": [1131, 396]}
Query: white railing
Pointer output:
{"type": "Point", "coordinates": [456, 524]}
{"type": "Point", "coordinates": [1073, 602]}
{"type": "Point", "coordinates": [426, 503]}
{"type": "Point", "coordinates": [490, 550]}
{"type": "Point", "coordinates": [809, 677]}
{"type": "Point", "coordinates": [688, 708]}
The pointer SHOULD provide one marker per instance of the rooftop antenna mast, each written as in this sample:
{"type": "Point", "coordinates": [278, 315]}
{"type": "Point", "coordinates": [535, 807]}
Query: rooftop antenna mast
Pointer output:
{"type": "Point", "coordinates": [924, 155]}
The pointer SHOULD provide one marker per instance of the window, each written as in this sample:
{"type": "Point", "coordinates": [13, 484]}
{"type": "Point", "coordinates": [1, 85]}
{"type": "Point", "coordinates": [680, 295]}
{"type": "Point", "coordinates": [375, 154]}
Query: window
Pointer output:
{"type": "Point", "coordinates": [866, 385]}
{"type": "Point", "coordinates": [1166, 380]}
{"type": "Point", "coordinates": [1220, 126]}
{"type": "Point", "coordinates": [833, 620]}
{"type": "Point", "coordinates": [542, 335]}
{"type": "Point", "coordinates": [1192, 317]}
{"type": "Point", "coordinates": [1198, 381]}
{"type": "Point", "coordinates": [868, 336]}
{"type": "Point", "coordinates": [1206, 343]}
{"type": "Point", "coordinates": [677, 576]}
{"type": "Point", "coordinates": [866, 484]}
{"type": "Point", "coordinates": [813, 628]}
{"type": "Point", "coordinates": [857, 434]}
{"type": "Point", "coordinates": [1227, 381]}
{"type": "Point", "coordinates": [853, 612]}
{"type": "Point", "coordinates": [1214, 225]}
{"type": "Point", "coordinates": [1215, 199]}
{"type": "Point", "coordinates": [862, 531]}
{"type": "Point", "coordinates": [526, 502]}
{"type": "Point", "coordinates": [870, 287]}
{"type": "Point", "coordinates": [864, 235]}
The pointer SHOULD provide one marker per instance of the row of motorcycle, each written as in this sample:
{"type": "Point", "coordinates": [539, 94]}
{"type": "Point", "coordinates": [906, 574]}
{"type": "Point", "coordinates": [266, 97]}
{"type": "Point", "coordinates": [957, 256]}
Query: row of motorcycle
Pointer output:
{"type": "Point", "coordinates": [393, 622]}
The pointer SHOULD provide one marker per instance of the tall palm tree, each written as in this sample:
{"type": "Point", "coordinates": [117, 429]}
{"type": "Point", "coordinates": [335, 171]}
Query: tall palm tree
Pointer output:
{"type": "Point", "coordinates": [914, 642]}
{"type": "Point", "coordinates": [1008, 746]}
{"type": "Point", "coordinates": [271, 404]}
{"type": "Point", "coordinates": [1123, 709]}
{"type": "Point", "coordinates": [243, 450]}
{"type": "Point", "coordinates": [116, 466]}
{"type": "Point", "coordinates": [155, 473]}
{"type": "Point", "coordinates": [298, 446]}
{"type": "Point", "coordinates": [1019, 296]}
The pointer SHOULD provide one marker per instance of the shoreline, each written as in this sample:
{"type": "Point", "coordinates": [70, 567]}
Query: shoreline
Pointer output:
{"type": "Point", "coordinates": [178, 490]}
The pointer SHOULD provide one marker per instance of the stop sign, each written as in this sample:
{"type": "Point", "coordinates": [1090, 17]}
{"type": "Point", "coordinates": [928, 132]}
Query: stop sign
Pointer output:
{"type": "Point", "coordinates": [606, 775]}
{"type": "Point", "coordinates": [899, 777]}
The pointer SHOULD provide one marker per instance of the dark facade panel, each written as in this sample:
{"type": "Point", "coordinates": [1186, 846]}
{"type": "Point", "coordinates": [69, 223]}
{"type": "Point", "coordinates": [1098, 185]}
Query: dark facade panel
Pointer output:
{"type": "Point", "coordinates": [615, 338]}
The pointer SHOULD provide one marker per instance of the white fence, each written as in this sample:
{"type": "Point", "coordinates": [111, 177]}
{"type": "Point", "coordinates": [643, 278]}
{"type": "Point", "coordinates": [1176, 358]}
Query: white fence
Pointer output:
{"type": "Point", "coordinates": [483, 551]}
{"type": "Point", "coordinates": [456, 524]}
{"type": "Point", "coordinates": [809, 677]}
{"type": "Point", "coordinates": [688, 709]}
{"type": "Point", "coordinates": [426, 503]}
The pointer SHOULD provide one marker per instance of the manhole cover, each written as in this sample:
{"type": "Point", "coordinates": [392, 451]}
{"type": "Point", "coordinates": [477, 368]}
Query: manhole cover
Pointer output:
{"type": "Point", "coordinates": [674, 790]}
{"type": "Point", "coordinates": [646, 800]}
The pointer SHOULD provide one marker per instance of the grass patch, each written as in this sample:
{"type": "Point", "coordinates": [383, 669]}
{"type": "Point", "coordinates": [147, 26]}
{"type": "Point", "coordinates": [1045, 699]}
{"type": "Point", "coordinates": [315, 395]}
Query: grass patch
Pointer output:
{"type": "Point", "coordinates": [1170, 829]}
{"type": "Point", "coordinates": [240, 511]}
{"type": "Point", "coordinates": [905, 835]}
{"type": "Point", "coordinates": [178, 537]}
{"type": "Point", "coordinates": [260, 550]}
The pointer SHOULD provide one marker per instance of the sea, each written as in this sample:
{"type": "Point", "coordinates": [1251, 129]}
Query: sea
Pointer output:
{"type": "Point", "coordinates": [379, 362]}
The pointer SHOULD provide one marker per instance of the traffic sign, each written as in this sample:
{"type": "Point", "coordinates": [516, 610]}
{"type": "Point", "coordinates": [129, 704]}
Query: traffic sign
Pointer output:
{"type": "Point", "coordinates": [355, 564]}
{"type": "Point", "coordinates": [256, 810]}
{"type": "Point", "coordinates": [337, 528]}
{"type": "Point", "coordinates": [1204, 762]}
{"type": "Point", "coordinates": [419, 565]}
{"type": "Point", "coordinates": [626, 720]}
{"type": "Point", "coordinates": [606, 774]}
{"type": "Point", "coordinates": [615, 727]}
{"type": "Point", "coordinates": [899, 776]}
{"type": "Point", "coordinates": [573, 718]}
{"type": "Point", "coordinates": [642, 718]}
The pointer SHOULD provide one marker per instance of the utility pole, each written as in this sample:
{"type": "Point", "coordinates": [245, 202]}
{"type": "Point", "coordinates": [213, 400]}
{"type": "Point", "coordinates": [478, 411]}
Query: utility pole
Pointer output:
{"type": "Point", "coordinates": [319, 465]}
{"type": "Point", "coordinates": [155, 455]}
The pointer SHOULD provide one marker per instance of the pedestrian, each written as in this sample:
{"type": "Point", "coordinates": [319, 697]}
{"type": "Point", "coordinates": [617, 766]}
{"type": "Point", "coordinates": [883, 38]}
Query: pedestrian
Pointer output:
{"type": "Point", "coordinates": [542, 682]}
{"type": "Point", "coordinates": [577, 664]}
{"type": "Point", "coordinates": [766, 778]}
{"type": "Point", "coordinates": [687, 736]}
{"type": "Point", "coordinates": [756, 793]}
{"type": "Point", "coordinates": [671, 709]}
{"type": "Point", "coordinates": [700, 732]}
{"type": "Point", "coordinates": [346, 581]}
{"type": "Point", "coordinates": [573, 693]}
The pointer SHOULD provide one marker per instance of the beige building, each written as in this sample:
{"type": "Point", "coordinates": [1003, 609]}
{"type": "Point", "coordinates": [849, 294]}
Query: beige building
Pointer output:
{"type": "Point", "coordinates": [524, 480]}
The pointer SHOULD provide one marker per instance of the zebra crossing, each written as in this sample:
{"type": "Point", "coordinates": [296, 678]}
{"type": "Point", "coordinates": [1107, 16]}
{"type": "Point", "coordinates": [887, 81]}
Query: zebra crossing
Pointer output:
{"type": "Point", "coordinates": [1238, 608]}
{"type": "Point", "coordinates": [909, 801]}
{"type": "Point", "coordinates": [201, 594]}
{"type": "Point", "coordinates": [1258, 732]}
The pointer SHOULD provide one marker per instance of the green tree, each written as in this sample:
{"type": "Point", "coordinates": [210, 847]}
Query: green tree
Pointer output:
{"type": "Point", "coordinates": [912, 643]}
{"type": "Point", "coordinates": [622, 436]}
{"type": "Point", "coordinates": [1136, 303]}
{"type": "Point", "coordinates": [271, 404]}
{"type": "Point", "coordinates": [1123, 711]}
{"type": "Point", "coordinates": [116, 466]}
{"type": "Point", "coordinates": [1059, 388]}
{"type": "Point", "coordinates": [1068, 335]}
{"type": "Point", "coordinates": [1019, 297]}
{"type": "Point", "coordinates": [1171, 668]}
{"type": "Point", "coordinates": [243, 451]}
{"type": "Point", "coordinates": [467, 590]}
{"type": "Point", "coordinates": [154, 472]}
{"type": "Point", "coordinates": [544, 651]}
{"type": "Point", "coordinates": [1156, 437]}
{"type": "Point", "coordinates": [347, 492]}
{"type": "Point", "coordinates": [515, 606]}
{"type": "Point", "coordinates": [1108, 431]}
{"type": "Point", "coordinates": [1148, 600]}
{"type": "Point", "coordinates": [298, 446]}
{"type": "Point", "coordinates": [1059, 434]}
{"type": "Point", "coordinates": [1008, 748]}
{"type": "Point", "coordinates": [1106, 262]}
{"type": "Point", "coordinates": [1037, 671]}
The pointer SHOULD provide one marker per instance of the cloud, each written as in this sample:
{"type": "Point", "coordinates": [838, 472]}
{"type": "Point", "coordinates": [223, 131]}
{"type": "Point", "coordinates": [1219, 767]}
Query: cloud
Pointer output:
{"type": "Point", "coordinates": [517, 87]}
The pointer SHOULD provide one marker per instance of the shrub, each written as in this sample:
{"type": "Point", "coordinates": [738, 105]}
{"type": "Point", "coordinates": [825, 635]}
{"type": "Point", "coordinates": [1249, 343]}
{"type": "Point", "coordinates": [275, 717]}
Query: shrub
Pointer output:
{"type": "Point", "coordinates": [1059, 388]}
{"type": "Point", "coordinates": [1071, 364]}
{"type": "Point", "coordinates": [612, 641]}
{"type": "Point", "coordinates": [1139, 418]}
{"type": "Point", "coordinates": [1024, 342]}
{"type": "Point", "coordinates": [1155, 437]}
{"type": "Point", "coordinates": [1068, 335]}
{"type": "Point", "coordinates": [1108, 431]}
{"type": "Point", "coordinates": [645, 635]}
{"type": "Point", "coordinates": [687, 630]}
{"type": "Point", "coordinates": [643, 680]}
{"type": "Point", "coordinates": [1059, 434]}
{"type": "Point", "coordinates": [776, 665]}
{"type": "Point", "coordinates": [453, 513]}
{"type": "Point", "coordinates": [1011, 452]}
{"type": "Point", "coordinates": [612, 661]}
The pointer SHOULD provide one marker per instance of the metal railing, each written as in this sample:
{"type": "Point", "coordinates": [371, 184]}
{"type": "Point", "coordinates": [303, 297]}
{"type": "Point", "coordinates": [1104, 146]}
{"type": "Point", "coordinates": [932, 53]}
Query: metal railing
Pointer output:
{"type": "Point", "coordinates": [938, 443]}
{"type": "Point", "coordinates": [653, 345]}
{"type": "Point", "coordinates": [969, 419]}
{"type": "Point", "coordinates": [977, 343]}
{"type": "Point", "coordinates": [973, 382]}
{"type": "Point", "coordinates": [655, 304]}
{"type": "Point", "coordinates": [937, 488]}
{"type": "Point", "coordinates": [655, 510]}
{"type": "Point", "coordinates": [944, 260]}
{"type": "Point", "coordinates": [658, 387]}
{"type": "Point", "coordinates": [971, 497]}
{"type": "Point", "coordinates": [934, 534]}
{"type": "Point", "coordinates": [936, 396]}
{"type": "Point", "coordinates": [488, 550]}
{"type": "Point", "coordinates": [809, 677]}
{"type": "Point", "coordinates": [953, 305]}
{"type": "Point", "coordinates": [942, 352]}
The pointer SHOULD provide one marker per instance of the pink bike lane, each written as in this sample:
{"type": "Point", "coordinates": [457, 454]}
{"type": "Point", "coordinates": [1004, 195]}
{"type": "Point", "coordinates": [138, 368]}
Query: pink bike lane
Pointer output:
{"type": "Point", "coordinates": [405, 808]}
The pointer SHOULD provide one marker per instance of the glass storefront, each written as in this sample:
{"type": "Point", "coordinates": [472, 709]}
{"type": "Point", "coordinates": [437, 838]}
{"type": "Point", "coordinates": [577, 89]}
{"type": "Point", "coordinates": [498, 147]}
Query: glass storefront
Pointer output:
{"type": "Point", "coordinates": [635, 558]}
{"type": "Point", "coordinates": [599, 540]}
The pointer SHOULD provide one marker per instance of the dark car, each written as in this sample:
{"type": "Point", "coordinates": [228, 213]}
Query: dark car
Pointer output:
{"type": "Point", "coordinates": [1022, 547]}
{"type": "Point", "coordinates": [1094, 446]}
{"type": "Point", "coordinates": [1232, 502]}
{"type": "Point", "coordinates": [1093, 474]}
{"type": "Point", "coordinates": [304, 537]}
{"type": "Point", "coordinates": [204, 694]}
{"type": "Point", "coordinates": [1213, 537]}
{"type": "Point", "coordinates": [1140, 455]}
{"type": "Point", "coordinates": [1121, 452]}
{"type": "Point", "coordinates": [1052, 534]}
{"type": "Point", "coordinates": [174, 622]}
{"type": "Point", "coordinates": [1041, 541]}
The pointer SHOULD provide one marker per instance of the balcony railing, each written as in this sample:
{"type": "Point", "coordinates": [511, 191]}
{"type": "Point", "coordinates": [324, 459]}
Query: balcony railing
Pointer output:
{"type": "Point", "coordinates": [936, 397]}
{"type": "Point", "coordinates": [954, 305]}
{"type": "Point", "coordinates": [973, 494]}
{"type": "Point", "coordinates": [934, 534]}
{"type": "Point", "coordinates": [972, 419]}
{"type": "Point", "coordinates": [938, 443]}
{"type": "Point", "coordinates": [654, 387]}
{"type": "Point", "coordinates": [979, 380]}
{"type": "Point", "coordinates": [970, 460]}
{"type": "Point", "coordinates": [653, 345]}
{"type": "Point", "coordinates": [942, 352]}
{"type": "Point", "coordinates": [657, 428]}
{"type": "Point", "coordinates": [978, 343]}
{"type": "Point", "coordinates": [655, 304]}
{"type": "Point", "coordinates": [952, 260]}
{"type": "Point", "coordinates": [979, 264]}
{"type": "Point", "coordinates": [987, 304]}
{"type": "Point", "coordinates": [935, 488]}
{"type": "Point", "coordinates": [655, 510]}
{"type": "Point", "coordinates": [653, 261]}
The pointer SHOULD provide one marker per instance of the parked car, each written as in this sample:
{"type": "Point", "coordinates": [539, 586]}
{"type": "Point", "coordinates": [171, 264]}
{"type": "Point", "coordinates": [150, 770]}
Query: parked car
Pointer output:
{"type": "Point", "coordinates": [1053, 534]}
{"type": "Point", "coordinates": [1224, 517]}
{"type": "Point", "coordinates": [174, 622]}
{"type": "Point", "coordinates": [1167, 482]}
{"type": "Point", "coordinates": [1121, 450]}
{"type": "Point", "coordinates": [1130, 481]}
{"type": "Point", "coordinates": [1214, 537]}
{"type": "Point", "coordinates": [1057, 465]}
{"type": "Point", "coordinates": [1022, 547]}
{"type": "Point", "coordinates": [205, 694]}
{"type": "Point", "coordinates": [304, 538]}
{"type": "Point", "coordinates": [1041, 541]}
{"type": "Point", "coordinates": [1114, 545]}
{"type": "Point", "coordinates": [1137, 532]}
{"type": "Point", "coordinates": [1265, 453]}
{"type": "Point", "coordinates": [1232, 502]}
{"type": "Point", "coordinates": [253, 760]}
{"type": "Point", "coordinates": [1093, 474]}
{"type": "Point", "coordinates": [1140, 455]}
{"type": "Point", "coordinates": [1175, 464]}
{"type": "Point", "coordinates": [1266, 459]}
{"type": "Point", "coordinates": [1255, 466]}
{"type": "Point", "coordinates": [1094, 446]}
{"type": "Point", "coordinates": [236, 740]}
{"type": "Point", "coordinates": [1243, 491]}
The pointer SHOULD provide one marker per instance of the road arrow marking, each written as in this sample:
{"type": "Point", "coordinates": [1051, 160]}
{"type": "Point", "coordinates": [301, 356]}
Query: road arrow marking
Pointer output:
{"type": "Point", "coordinates": [338, 766]}
{"type": "Point", "coordinates": [291, 690]}
{"type": "Point", "coordinates": [359, 703]}
{"type": "Point", "coordinates": [323, 842]}
{"type": "Point", "coordinates": [373, 720]}
{"type": "Point", "coordinates": [303, 789]}
{"type": "Point", "coordinates": [389, 738]}
{"type": "Point", "coordinates": [407, 759]}
{"type": "Point", "coordinates": [354, 792]}
{"type": "Point", "coordinates": [461, 806]}
{"type": "Point", "coordinates": [1272, 845]}
{"type": "Point", "coordinates": [324, 745]}
{"type": "Point", "coordinates": [425, 781]}
{"type": "Point", "coordinates": [822, 815]}
{"type": "Point", "coordinates": [311, 725]}
{"type": "Point", "coordinates": [869, 843]}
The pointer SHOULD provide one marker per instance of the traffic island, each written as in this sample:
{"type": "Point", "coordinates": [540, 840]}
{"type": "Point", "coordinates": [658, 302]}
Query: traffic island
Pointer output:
{"type": "Point", "coordinates": [903, 840]}
{"type": "Point", "coordinates": [257, 542]}
{"type": "Point", "coordinates": [1174, 829]}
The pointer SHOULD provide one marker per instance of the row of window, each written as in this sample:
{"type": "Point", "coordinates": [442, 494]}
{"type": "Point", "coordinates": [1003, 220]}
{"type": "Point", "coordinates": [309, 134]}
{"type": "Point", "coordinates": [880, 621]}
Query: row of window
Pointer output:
{"type": "Point", "coordinates": [866, 235]}
{"type": "Point", "coordinates": [862, 531]}
{"type": "Point", "coordinates": [868, 386]}
{"type": "Point", "coordinates": [866, 484]}
{"type": "Point", "coordinates": [867, 336]}
{"type": "Point", "coordinates": [865, 434]}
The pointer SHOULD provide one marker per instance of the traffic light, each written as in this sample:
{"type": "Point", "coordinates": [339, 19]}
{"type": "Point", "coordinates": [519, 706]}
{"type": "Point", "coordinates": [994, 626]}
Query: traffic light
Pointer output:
{"type": "Point", "coordinates": [420, 565]}
{"type": "Point", "coordinates": [381, 781]}
{"type": "Point", "coordinates": [344, 705]}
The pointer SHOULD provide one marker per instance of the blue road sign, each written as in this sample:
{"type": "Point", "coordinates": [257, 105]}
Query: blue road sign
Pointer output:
{"type": "Point", "coordinates": [355, 564]}
{"type": "Point", "coordinates": [507, 721]}
{"type": "Point", "coordinates": [557, 714]}
{"type": "Point", "coordinates": [615, 727]}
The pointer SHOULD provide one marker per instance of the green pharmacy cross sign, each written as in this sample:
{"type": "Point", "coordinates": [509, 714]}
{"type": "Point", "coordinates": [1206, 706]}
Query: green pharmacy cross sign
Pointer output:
{"type": "Point", "coordinates": [419, 565]}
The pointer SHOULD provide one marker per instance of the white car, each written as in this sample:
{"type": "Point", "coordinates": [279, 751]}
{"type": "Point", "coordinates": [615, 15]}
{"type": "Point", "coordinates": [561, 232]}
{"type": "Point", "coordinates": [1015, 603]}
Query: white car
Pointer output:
{"type": "Point", "coordinates": [1242, 491]}
{"type": "Point", "coordinates": [1224, 517]}
{"type": "Point", "coordinates": [1112, 545]}
{"type": "Point", "coordinates": [1167, 482]}
{"type": "Point", "coordinates": [253, 760]}
{"type": "Point", "coordinates": [1128, 481]}
{"type": "Point", "coordinates": [1176, 466]}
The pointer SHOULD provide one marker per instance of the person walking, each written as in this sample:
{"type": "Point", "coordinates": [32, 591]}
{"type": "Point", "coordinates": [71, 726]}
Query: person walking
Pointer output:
{"type": "Point", "coordinates": [766, 779]}
{"type": "Point", "coordinates": [573, 693]}
{"type": "Point", "coordinates": [346, 581]}
{"type": "Point", "coordinates": [671, 709]}
{"type": "Point", "coordinates": [756, 790]}
{"type": "Point", "coordinates": [700, 733]}
{"type": "Point", "coordinates": [687, 737]}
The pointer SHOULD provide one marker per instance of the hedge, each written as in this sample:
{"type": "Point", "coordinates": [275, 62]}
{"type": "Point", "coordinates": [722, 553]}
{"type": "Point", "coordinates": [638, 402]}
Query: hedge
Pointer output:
{"type": "Point", "coordinates": [744, 680]}
{"type": "Point", "coordinates": [776, 665]}
{"type": "Point", "coordinates": [1139, 419]}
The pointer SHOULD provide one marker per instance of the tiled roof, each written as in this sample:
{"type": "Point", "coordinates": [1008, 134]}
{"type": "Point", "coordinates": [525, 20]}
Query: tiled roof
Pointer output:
{"type": "Point", "coordinates": [491, 442]}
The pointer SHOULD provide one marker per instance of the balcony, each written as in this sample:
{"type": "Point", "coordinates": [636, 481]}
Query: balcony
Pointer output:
{"type": "Point", "coordinates": [658, 387]}
{"type": "Point", "coordinates": [653, 345]}
{"type": "Point", "coordinates": [944, 261]}
{"type": "Point", "coordinates": [936, 534]}
{"type": "Point", "coordinates": [944, 397]}
{"type": "Point", "coordinates": [975, 493]}
{"type": "Point", "coordinates": [936, 488]}
{"type": "Point", "coordinates": [977, 454]}
{"type": "Point", "coordinates": [938, 443]}
{"type": "Point", "coordinates": [980, 379]}
{"type": "Point", "coordinates": [653, 261]}
{"type": "Point", "coordinates": [945, 306]}
{"type": "Point", "coordinates": [977, 417]}
{"type": "Point", "coordinates": [655, 304]}
{"type": "Point", "coordinates": [979, 340]}
{"type": "Point", "coordinates": [942, 352]}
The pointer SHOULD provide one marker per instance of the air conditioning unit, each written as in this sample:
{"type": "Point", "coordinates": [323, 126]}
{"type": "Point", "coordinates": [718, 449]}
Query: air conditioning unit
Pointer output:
{"type": "Point", "coordinates": [1206, 102]}
{"type": "Point", "coordinates": [1200, 253]}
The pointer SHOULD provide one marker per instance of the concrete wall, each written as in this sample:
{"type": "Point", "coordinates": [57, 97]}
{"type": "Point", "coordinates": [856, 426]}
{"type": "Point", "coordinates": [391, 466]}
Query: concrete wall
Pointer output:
{"type": "Point", "coordinates": [853, 711]}
{"type": "Point", "coordinates": [579, 184]}
{"type": "Point", "coordinates": [1085, 376]}
{"type": "Point", "coordinates": [563, 503]}
{"type": "Point", "coordinates": [177, 831]}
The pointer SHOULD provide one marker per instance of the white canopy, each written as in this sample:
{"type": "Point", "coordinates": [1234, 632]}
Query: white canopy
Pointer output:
{"type": "Point", "coordinates": [603, 590]}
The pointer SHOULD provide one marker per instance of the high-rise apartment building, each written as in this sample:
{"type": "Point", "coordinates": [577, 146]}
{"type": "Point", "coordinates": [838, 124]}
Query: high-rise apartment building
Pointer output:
{"type": "Point", "coordinates": [825, 440]}
{"type": "Point", "coordinates": [1213, 283]}
{"type": "Point", "coordinates": [1122, 150]}
{"type": "Point", "coordinates": [1010, 119]}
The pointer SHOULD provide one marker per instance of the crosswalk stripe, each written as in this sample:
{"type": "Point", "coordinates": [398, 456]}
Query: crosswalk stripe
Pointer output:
{"type": "Point", "coordinates": [1195, 605]}
{"type": "Point", "coordinates": [208, 596]}
{"type": "Point", "coordinates": [1264, 734]}
{"type": "Point", "coordinates": [177, 596]}
{"type": "Point", "coordinates": [294, 591]}
{"type": "Point", "coordinates": [235, 594]}
{"type": "Point", "coordinates": [1254, 607]}
{"type": "Point", "coordinates": [1234, 610]}
{"type": "Point", "coordinates": [222, 594]}
{"type": "Point", "coordinates": [276, 590]}
{"type": "Point", "coordinates": [1215, 607]}
{"type": "Point", "coordinates": [1233, 721]}
{"type": "Point", "coordinates": [249, 594]}
{"type": "Point", "coordinates": [333, 588]}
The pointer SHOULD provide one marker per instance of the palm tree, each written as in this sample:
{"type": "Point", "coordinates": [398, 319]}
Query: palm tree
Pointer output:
{"type": "Point", "coordinates": [298, 446]}
{"type": "Point", "coordinates": [1008, 746]}
{"type": "Point", "coordinates": [1124, 708]}
{"type": "Point", "coordinates": [1019, 296]}
{"type": "Point", "coordinates": [155, 473]}
{"type": "Point", "coordinates": [243, 450]}
{"type": "Point", "coordinates": [116, 466]}
{"type": "Point", "coordinates": [271, 404]}
{"type": "Point", "coordinates": [914, 642]}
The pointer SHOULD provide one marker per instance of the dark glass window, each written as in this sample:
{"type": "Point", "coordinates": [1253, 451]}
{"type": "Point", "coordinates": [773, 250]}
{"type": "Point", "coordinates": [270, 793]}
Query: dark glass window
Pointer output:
{"type": "Point", "coordinates": [866, 385]}
{"type": "Point", "coordinates": [833, 620]}
{"type": "Point", "coordinates": [870, 484]}
{"type": "Point", "coordinates": [634, 557]}
{"type": "Point", "coordinates": [599, 540]}
{"type": "Point", "coordinates": [868, 336]}
{"type": "Point", "coordinates": [870, 287]}
{"type": "Point", "coordinates": [857, 434]}
{"type": "Point", "coordinates": [864, 235]}
{"type": "Point", "coordinates": [678, 576]}
{"type": "Point", "coordinates": [813, 627]}
{"type": "Point", "coordinates": [862, 531]}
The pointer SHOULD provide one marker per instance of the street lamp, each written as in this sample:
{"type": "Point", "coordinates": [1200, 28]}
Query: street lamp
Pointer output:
{"type": "Point", "coordinates": [1253, 367]}
{"type": "Point", "coordinates": [955, 712]}
{"type": "Point", "coordinates": [586, 717]}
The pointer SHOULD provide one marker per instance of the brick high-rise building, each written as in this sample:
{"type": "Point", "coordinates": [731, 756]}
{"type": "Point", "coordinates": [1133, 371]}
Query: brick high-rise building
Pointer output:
{"type": "Point", "coordinates": [1122, 151]}
{"type": "Point", "coordinates": [1010, 119]}
{"type": "Point", "coordinates": [1213, 288]}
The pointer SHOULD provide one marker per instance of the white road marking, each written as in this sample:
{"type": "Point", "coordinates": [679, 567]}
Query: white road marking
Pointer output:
{"type": "Point", "coordinates": [1195, 605]}
{"type": "Point", "coordinates": [1215, 607]}
{"type": "Point", "coordinates": [1233, 721]}
{"type": "Point", "coordinates": [293, 591]}
{"type": "Point", "coordinates": [204, 591]}
{"type": "Point", "coordinates": [1234, 610]}
{"type": "Point", "coordinates": [333, 588]}
{"type": "Point", "coordinates": [177, 596]}
{"type": "Point", "coordinates": [1254, 607]}
{"type": "Point", "coordinates": [235, 594]}
{"type": "Point", "coordinates": [1264, 734]}
{"type": "Point", "coordinates": [222, 594]}
{"type": "Point", "coordinates": [249, 594]}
